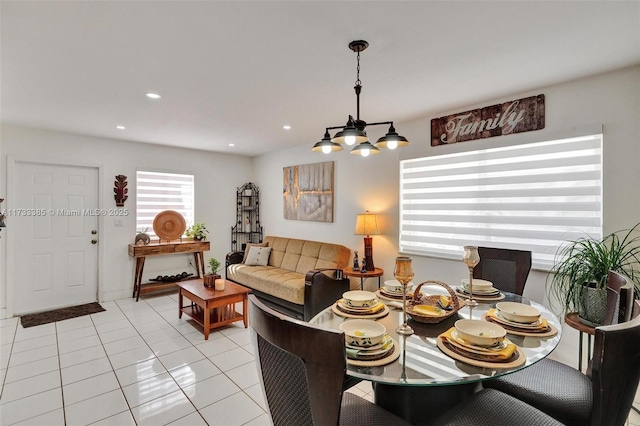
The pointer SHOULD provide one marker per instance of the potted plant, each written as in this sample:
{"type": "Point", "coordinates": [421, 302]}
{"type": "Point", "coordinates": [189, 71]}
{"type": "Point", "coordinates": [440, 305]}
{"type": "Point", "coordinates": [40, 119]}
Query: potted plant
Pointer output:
{"type": "Point", "coordinates": [210, 278]}
{"type": "Point", "coordinates": [197, 231]}
{"type": "Point", "coordinates": [579, 278]}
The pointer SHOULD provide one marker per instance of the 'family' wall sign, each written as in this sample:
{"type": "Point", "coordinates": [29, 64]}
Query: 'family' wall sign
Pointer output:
{"type": "Point", "coordinates": [521, 115]}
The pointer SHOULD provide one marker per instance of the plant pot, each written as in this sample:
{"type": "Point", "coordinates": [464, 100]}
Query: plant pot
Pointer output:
{"type": "Point", "coordinates": [592, 305]}
{"type": "Point", "coordinates": [209, 280]}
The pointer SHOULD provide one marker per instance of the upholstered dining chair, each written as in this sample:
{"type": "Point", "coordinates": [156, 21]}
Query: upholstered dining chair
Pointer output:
{"type": "Point", "coordinates": [507, 269]}
{"type": "Point", "coordinates": [604, 398]}
{"type": "Point", "coordinates": [302, 369]}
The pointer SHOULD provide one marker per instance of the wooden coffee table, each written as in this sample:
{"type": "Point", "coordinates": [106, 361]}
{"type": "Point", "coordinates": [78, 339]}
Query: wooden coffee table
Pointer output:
{"type": "Point", "coordinates": [211, 308]}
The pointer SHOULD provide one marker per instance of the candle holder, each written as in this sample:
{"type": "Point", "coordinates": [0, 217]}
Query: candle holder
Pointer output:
{"type": "Point", "coordinates": [403, 272]}
{"type": "Point", "coordinates": [471, 258]}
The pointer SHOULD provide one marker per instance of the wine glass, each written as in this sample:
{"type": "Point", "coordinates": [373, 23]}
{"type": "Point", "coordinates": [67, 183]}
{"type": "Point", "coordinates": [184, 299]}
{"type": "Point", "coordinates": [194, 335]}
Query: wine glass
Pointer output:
{"type": "Point", "coordinates": [471, 258]}
{"type": "Point", "coordinates": [404, 274]}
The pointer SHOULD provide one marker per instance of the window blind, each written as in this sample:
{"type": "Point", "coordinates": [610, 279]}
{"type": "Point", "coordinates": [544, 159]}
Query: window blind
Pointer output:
{"type": "Point", "coordinates": [527, 197]}
{"type": "Point", "coordinates": [157, 192]}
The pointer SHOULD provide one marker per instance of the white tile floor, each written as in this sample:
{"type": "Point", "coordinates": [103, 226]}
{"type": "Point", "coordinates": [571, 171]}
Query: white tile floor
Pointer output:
{"type": "Point", "coordinates": [136, 363]}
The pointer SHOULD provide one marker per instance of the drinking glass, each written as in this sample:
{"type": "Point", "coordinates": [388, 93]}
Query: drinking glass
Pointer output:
{"type": "Point", "coordinates": [404, 274]}
{"type": "Point", "coordinates": [471, 258]}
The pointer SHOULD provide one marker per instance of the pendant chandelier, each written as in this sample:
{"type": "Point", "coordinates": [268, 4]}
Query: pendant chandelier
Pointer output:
{"type": "Point", "coordinates": [354, 131]}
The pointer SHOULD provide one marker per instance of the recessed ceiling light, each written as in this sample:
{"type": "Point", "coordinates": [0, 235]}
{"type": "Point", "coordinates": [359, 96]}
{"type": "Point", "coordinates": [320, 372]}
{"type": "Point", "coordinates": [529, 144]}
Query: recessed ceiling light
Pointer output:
{"type": "Point", "coordinates": [232, 144]}
{"type": "Point", "coordinates": [120, 127]}
{"type": "Point", "coordinates": [153, 95]}
{"type": "Point", "coordinates": [286, 127]}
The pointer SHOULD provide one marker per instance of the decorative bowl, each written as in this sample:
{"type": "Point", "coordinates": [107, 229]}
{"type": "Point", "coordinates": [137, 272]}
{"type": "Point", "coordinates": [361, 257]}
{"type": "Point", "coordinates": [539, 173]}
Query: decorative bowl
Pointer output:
{"type": "Point", "coordinates": [394, 286]}
{"type": "Point", "coordinates": [478, 284]}
{"type": "Point", "coordinates": [359, 299]}
{"type": "Point", "coordinates": [518, 312]}
{"type": "Point", "coordinates": [363, 333]}
{"type": "Point", "coordinates": [481, 333]}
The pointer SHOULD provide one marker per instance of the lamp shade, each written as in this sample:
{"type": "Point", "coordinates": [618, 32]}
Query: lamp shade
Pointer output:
{"type": "Point", "coordinates": [367, 224]}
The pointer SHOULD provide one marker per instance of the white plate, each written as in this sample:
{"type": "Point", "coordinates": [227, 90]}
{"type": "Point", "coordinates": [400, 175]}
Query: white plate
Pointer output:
{"type": "Point", "coordinates": [534, 325]}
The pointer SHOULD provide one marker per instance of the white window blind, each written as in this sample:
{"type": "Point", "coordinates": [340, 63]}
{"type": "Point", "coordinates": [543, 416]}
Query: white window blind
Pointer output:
{"type": "Point", "coordinates": [527, 197]}
{"type": "Point", "coordinates": [157, 192]}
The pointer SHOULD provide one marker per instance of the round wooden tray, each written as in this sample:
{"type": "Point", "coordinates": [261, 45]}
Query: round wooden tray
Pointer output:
{"type": "Point", "coordinates": [169, 225]}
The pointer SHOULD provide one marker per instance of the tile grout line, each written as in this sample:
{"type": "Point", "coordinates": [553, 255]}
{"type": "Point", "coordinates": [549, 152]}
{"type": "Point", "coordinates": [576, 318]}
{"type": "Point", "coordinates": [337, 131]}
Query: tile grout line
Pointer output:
{"type": "Point", "coordinates": [64, 411]}
{"type": "Point", "coordinates": [4, 379]}
{"type": "Point", "coordinates": [113, 370]}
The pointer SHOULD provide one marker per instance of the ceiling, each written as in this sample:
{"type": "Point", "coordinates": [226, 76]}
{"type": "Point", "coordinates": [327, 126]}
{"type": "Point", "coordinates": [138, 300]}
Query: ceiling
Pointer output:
{"type": "Point", "coordinates": [236, 72]}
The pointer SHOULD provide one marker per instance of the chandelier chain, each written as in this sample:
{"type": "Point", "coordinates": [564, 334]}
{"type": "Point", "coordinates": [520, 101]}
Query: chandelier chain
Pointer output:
{"type": "Point", "coordinates": [358, 71]}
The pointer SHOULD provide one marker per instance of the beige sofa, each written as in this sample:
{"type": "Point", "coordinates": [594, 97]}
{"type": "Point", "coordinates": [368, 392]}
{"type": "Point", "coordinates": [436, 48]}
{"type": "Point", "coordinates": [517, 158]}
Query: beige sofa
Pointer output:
{"type": "Point", "coordinates": [301, 277]}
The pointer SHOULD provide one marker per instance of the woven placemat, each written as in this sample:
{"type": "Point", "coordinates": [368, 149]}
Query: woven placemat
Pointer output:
{"type": "Point", "coordinates": [61, 314]}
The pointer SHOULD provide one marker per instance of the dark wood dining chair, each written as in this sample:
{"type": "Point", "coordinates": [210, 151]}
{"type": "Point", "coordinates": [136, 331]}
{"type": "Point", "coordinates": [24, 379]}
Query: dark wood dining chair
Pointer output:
{"type": "Point", "coordinates": [619, 299]}
{"type": "Point", "coordinates": [302, 369]}
{"type": "Point", "coordinates": [507, 269]}
{"type": "Point", "coordinates": [604, 398]}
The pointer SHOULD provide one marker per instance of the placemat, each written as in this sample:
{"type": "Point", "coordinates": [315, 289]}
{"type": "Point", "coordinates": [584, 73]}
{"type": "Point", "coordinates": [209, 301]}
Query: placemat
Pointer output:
{"type": "Point", "coordinates": [519, 332]}
{"type": "Point", "coordinates": [380, 314]}
{"type": "Point", "coordinates": [519, 357]}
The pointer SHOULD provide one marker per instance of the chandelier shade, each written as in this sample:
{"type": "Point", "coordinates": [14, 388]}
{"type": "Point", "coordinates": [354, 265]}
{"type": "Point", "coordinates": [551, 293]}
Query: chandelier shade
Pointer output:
{"type": "Point", "coordinates": [392, 140]}
{"type": "Point", "coordinates": [326, 145]}
{"type": "Point", "coordinates": [354, 131]}
{"type": "Point", "coordinates": [365, 149]}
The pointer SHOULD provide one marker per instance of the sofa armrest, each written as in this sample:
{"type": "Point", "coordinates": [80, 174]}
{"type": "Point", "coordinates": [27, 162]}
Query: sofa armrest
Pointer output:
{"type": "Point", "coordinates": [232, 258]}
{"type": "Point", "coordinates": [322, 287]}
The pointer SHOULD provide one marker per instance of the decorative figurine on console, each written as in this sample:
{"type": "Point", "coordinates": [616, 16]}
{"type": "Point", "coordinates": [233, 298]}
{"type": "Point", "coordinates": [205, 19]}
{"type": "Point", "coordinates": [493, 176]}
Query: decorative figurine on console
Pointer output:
{"type": "Point", "coordinates": [364, 265]}
{"type": "Point", "coordinates": [356, 266]}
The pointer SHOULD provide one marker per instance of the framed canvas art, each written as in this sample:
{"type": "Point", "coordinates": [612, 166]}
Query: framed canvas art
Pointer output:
{"type": "Point", "coordinates": [308, 192]}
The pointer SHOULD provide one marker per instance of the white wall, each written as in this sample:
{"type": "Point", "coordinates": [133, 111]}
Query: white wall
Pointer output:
{"type": "Point", "coordinates": [216, 178]}
{"type": "Point", "coordinates": [611, 100]}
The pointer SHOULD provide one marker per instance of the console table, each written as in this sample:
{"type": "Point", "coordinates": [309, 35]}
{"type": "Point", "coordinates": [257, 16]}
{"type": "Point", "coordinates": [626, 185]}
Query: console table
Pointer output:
{"type": "Point", "coordinates": [140, 252]}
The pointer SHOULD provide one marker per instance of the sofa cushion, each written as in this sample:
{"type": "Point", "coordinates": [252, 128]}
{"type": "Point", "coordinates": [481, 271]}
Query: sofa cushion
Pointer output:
{"type": "Point", "coordinates": [282, 283]}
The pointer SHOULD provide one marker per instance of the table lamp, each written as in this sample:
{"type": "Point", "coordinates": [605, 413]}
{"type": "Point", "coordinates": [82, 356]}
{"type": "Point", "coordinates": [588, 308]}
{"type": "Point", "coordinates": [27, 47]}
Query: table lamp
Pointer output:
{"type": "Point", "coordinates": [367, 224]}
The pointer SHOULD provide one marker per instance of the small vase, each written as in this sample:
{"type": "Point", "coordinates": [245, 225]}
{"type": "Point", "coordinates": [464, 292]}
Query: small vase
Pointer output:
{"type": "Point", "coordinates": [209, 280]}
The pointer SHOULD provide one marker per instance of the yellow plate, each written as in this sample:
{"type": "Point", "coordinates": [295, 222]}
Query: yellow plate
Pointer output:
{"type": "Point", "coordinates": [428, 310]}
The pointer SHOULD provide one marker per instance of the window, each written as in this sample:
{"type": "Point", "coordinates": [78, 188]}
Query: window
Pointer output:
{"type": "Point", "coordinates": [527, 197]}
{"type": "Point", "coordinates": [157, 192]}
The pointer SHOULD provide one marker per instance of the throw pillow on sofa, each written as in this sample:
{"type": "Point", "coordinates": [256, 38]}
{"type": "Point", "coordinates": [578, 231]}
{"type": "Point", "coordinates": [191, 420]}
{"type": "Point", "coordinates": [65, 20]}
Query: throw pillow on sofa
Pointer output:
{"type": "Point", "coordinates": [246, 249]}
{"type": "Point", "coordinates": [258, 256]}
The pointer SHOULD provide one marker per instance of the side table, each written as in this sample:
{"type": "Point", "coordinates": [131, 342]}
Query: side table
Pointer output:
{"type": "Point", "coordinates": [377, 272]}
{"type": "Point", "coordinates": [573, 321]}
{"type": "Point", "coordinates": [207, 301]}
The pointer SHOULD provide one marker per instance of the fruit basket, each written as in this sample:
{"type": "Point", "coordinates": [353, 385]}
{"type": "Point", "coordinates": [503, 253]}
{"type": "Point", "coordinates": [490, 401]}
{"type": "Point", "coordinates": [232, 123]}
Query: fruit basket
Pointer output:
{"type": "Point", "coordinates": [427, 309]}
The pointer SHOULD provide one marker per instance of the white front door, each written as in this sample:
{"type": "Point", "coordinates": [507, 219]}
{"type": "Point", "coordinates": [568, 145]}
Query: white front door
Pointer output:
{"type": "Point", "coordinates": [54, 235]}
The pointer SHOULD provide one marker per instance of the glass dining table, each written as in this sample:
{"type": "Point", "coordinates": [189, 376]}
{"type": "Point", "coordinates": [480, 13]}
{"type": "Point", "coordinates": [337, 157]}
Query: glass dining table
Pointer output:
{"type": "Point", "coordinates": [423, 381]}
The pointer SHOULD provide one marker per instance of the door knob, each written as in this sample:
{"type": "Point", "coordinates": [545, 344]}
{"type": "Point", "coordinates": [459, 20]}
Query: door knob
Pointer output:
{"type": "Point", "coordinates": [94, 232]}
{"type": "Point", "coordinates": [94, 241]}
